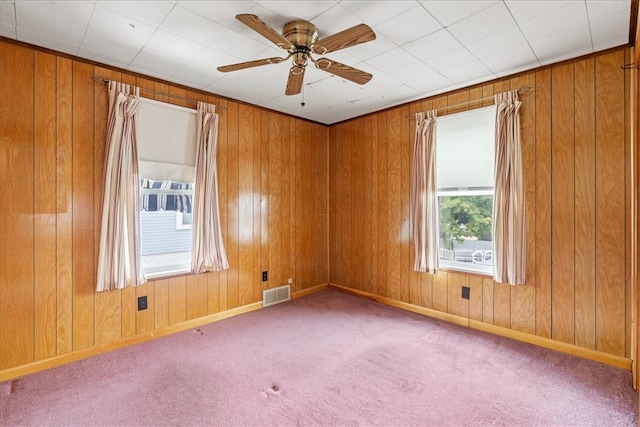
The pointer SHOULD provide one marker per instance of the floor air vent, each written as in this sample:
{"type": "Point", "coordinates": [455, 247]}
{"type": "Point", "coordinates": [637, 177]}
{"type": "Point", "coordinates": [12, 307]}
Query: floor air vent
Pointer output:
{"type": "Point", "coordinates": [276, 295]}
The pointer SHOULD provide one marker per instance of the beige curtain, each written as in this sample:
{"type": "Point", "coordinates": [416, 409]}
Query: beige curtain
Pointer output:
{"type": "Point", "coordinates": [509, 227]}
{"type": "Point", "coordinates": [207, 247]}
{"type": "Point", "coordinates": [424, 198]}
{"type": "Point", "coordinates": [119, 254]}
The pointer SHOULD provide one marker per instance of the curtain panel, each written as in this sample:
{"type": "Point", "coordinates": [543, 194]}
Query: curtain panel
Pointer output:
{"type": "Point", "coordinates": [509, 215]}
{"type": "Point", "coordinates": [424, 198]}
{"type": "Point", "coordinates": [207, 247]}
{"type": "Point", "coordinates": [119, 254]}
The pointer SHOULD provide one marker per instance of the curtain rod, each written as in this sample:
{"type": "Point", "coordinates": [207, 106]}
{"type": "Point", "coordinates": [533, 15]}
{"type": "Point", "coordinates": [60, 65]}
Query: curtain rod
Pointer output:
{"type": "Point", "coordinates": [155, 92]}
{"type": "Point", "coordinates": [523, 89]}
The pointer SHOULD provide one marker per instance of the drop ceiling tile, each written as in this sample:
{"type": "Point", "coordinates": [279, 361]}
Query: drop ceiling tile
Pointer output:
{"type": "Point", "coordinates": [222, 12]}
{"type": "Point", "coordinates": [211, 59]}
{"type": "Point", "coordinates": [524, 10]}
{"type": "Point", "coordinates": [598, 9]}
{"type": "Point", "coordinates": [150, 12]}
{"type": "Point", "coordinates": [408, 26]}
{"type": "Point", "coordinates": [50, 43]}
{"type": "Point", "coordinates": [430, 84]}
{"type": "Point", "coordinates": [116, 36]}
{"type": "Point", "coordinates": [391, 60]}
{"type": "Point", "coordinates": [195, 76]}
{"type": "Point", "coordinates": [450, 59]}
{"type": "Point", "coordinates": [7, 30]}
{"type": "Point", "coordinates": [62, 21]}
{"type": "Point", "coordinates": [488, 21]}
{"type": "Point", "coordinates": [334, 20]}
{"type": "Point", "coordinates": [411, 72]}
{"type": "Point", "coordinates": [432, 45]}
{"type": "Point", "coordinates": [607, 32]}
{"type": "Point", "coordinates": [7, 13]}
{"type": "Point", "coordinates": [191, 26]}
{"type": "Point", "coordinates": [246, 48]}
{"type": "Point", "coordinates": [470, 72]}
{"type": "Point", "coordinates": [156, 63]}
{"type": "Point", "coordinates": [450, 12]}
{"type": "Point", "coordinates": [376, 12]}
{"type": "Point", "coordinates": [566, 44]}
{"type": "Point", "coordinates": [173, 46]}
{"type": "Point", "coordinates": [572, 14]}
{"type": "Point", "coordinates": [497, 42]}
{"type": "Point", "coordinates": [103, 56]}
{"type": "Point", "coordinates": [307, 10]}
{"type": "Point", "coordinates": [512, 58]}
{"type": "Point", "coordinates": [373, 48]}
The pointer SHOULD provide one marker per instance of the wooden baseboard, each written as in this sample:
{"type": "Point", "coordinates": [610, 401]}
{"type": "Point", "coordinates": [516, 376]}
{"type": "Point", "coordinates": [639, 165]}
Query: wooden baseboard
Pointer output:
{"type": "Point", "coordinates": [585, 353]}
{"type": "Point", "coordinates": [19, 371]}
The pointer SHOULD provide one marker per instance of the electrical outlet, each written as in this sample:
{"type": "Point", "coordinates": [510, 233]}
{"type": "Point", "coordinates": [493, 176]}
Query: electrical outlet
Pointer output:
{"type": "Point", "coordinates": [265, 276]}
{"type": "Point", "coordinates": [466, 292]}
{"type": "Point", "coordinates": [290, 281]}
{"type": "Point", "coordinates": [142, 303]}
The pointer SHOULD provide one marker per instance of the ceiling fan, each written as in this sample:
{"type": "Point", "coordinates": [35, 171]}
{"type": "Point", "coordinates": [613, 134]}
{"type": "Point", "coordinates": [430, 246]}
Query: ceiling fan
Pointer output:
{"type": "Point", "coordinates": [300, 40]}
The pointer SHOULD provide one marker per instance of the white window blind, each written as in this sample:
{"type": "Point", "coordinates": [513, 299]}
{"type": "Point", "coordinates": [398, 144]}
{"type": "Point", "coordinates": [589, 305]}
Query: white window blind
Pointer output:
{"type": "Point", "coordinates": [166, 136]}
{"type": "Point", "coordinates": [464, 149]}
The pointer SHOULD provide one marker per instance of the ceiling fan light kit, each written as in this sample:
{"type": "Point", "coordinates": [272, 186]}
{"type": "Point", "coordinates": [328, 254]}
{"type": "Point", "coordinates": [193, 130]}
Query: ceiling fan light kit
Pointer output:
{"type": "Point", "coordinates": [300, 40]}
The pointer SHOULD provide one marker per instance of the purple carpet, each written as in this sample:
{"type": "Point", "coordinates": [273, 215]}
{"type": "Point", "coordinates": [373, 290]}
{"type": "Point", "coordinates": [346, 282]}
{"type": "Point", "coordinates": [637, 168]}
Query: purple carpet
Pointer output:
{"type": "Point", "coordinates": [327, 359]}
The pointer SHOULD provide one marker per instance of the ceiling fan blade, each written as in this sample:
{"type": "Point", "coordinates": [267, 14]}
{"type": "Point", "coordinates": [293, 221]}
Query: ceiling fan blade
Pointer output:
{"type": "Point", "coordinates": [249, 64]}
{"type": "Point", "coordinates": [257, 25]}
{"type": "Point", "coordinates": [345, 71]}
{"type": "Point", "coordinates": [361, 33]}
{"type": "Point", "coordinates": [294, 82]}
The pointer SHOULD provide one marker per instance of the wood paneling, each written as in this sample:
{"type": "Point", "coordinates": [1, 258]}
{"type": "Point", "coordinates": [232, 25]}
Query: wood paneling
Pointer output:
{"type": "Point", "coordinates": [573, 124]}
{"type": "Point", "coordinates": [273, 178]}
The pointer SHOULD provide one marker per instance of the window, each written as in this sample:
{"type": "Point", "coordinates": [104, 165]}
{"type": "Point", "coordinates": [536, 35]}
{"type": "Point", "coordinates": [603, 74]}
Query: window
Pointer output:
{"type": "Point", "coordinates": [465, 175]}
{"type": "Point", "coordinates": [166, 152]}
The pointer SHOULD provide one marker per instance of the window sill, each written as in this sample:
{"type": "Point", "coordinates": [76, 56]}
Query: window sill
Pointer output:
{"type": "Point", "coordinates": [467, 268]}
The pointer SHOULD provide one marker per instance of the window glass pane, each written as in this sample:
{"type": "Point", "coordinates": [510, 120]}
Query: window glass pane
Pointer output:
{"type": "Point", "coordinates": [465, 232]}
{"type": "Point", "coordinates": [165, 249]}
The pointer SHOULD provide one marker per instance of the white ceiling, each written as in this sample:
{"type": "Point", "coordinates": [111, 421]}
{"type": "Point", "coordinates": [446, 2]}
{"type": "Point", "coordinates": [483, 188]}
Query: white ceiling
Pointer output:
{"type": "Point", "coordinates": [422, 47]}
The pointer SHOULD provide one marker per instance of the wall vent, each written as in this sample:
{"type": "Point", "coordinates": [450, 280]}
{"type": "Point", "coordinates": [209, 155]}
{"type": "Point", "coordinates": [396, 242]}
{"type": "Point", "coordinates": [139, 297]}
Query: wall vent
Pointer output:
{"type": "Point", "coordinates": [276, 295]}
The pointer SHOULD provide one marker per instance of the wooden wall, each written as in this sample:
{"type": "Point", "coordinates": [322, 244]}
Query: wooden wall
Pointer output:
{"type": "Point", "coordinates": [576, 147]}
{"type": "Point", "coordinates": [273, 190]}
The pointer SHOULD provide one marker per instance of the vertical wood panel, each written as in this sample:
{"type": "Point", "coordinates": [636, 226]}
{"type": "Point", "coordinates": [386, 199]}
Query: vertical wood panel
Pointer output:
{"type": "Point", "coordinates": [562, 212]}
{"type": "Point", "coordinates": [45, 206]}
{"type": "Point", "coordinates": [610, 202]}
{"type": "Point", "coordinates": [357, 170]}
{"type": "Point", "coordinates": [245, 206]}
{"type": "Point", "coordinates": [456, 304]}
{"type": "Point", "coordinates": [395, 287]}
{"type": "Point", "coordinates": [543, 203]}
{"type": "Point", "coordinates": [82, 187]}
{"type": "Point", "coordinates": [261, 206]}
{"type": "Point", "coordinates": [177, 300]}
{"type": "Point", "coordinates": [145, 319]}
{"type": "Point", "coordinates": [223, 196]}
{"type": "Point", "coordinates": [585, 205]}
{"type": "Point", "coordinates": [275, 200]}
{"type": "Point", "coordinates": [161, 303]}
{"type": "Point", "coordinates": [383, 225]}
{"type": "Point", "coordinates": [64, 226]}
{"type": "Point", "coordinates": [196, 296]}
{"type": "Point", "coordinates": [405, 192]}
{"type": "Point", "coordinates": [16, 195]}
{"type": "Point", "coordinates": [233, 204]}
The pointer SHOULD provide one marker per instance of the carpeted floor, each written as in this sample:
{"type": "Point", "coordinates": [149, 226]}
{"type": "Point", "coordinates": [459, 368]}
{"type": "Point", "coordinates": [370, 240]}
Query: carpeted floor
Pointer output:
{"type": "Point", "coordinates": [327, 359]}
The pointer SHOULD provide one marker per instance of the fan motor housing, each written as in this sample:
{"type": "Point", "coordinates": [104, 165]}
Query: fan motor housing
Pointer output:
{"type": "Point", "coordinates": [300, 33]}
